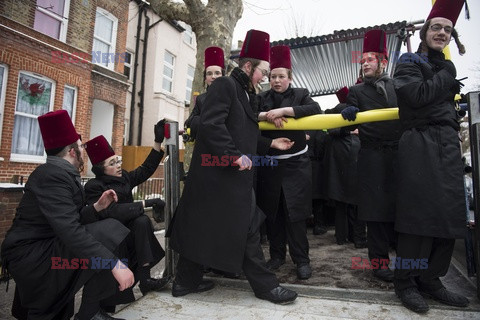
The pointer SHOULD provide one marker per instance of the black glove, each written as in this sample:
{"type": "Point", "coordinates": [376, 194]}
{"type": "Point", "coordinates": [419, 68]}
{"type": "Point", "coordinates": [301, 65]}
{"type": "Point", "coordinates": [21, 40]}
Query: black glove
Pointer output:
{"type": "Point", "coordinates": [153, 202]}
{"type": "Point", "coordinates": [159, 130]}
{"type": "Point", "coordinates": [350, 113]}
{"type": "Point", "coordinates": [447, 65]}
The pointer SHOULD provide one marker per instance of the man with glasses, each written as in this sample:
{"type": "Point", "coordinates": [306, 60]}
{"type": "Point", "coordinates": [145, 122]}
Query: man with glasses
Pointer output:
{"type": "Point", "coordinates": [46, 242]}
{"type": "Point", "coordinates": [143, 249]}
{"type": "Point", "coordinates": [431, 197]}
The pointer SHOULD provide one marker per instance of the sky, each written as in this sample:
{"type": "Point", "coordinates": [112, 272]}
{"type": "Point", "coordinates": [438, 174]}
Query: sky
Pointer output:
{"type": "Point", "coordinates": [280, 18]}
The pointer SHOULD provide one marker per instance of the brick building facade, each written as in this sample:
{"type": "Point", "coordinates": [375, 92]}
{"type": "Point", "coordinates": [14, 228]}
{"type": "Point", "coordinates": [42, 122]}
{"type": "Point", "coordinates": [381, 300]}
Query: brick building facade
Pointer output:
{"type": "Point", "coordinates": [59, 54]}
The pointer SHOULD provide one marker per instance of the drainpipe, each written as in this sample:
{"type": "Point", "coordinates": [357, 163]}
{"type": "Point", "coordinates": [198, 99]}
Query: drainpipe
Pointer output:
{"type": "Point", "coordinates": [141, 93]}
{"type": "Point", "coordinates": [134, 86]}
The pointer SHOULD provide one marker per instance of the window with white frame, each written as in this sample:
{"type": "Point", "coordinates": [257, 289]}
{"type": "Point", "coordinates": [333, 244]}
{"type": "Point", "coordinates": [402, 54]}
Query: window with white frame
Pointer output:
{"type": "Point", "coordinates": [127, 65]}
{"type": "Point", "coordinates": [3, 85]}
{"type": "Point", "coordinates": [188, 34]}
{"type": "Point", "coordinates": [104, 38]}
{"type": "Point", "coordinates": [51, 18]}
{"type": "Point", "coordinates": [35, 95]}
{"type": "Point", "coordinates": [70, 101]}
{"type": "Point", "coordinates": [168, 65]}
{"type": "Point", "coordinates": [190, 74]}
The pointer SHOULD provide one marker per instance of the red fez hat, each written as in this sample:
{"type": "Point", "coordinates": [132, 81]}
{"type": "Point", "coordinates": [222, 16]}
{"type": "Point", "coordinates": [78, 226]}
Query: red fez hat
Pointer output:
{"type": "Point", "coordinates": [98, 149]}
{"type": "Point", "coordinates": [342, 95]}
{"type": "Point", "coordinates": [375, 41]}
{"type": "Point", "coordinates": [280, 57]}
{"type": "Point", "coordinates": [57, 129]}
{"type": "Point", "coordinates": [214, 57]}
{"type": "Point", "coordinates": [449, 9]}
{"type": "Point", "coordinates": [256, 45]}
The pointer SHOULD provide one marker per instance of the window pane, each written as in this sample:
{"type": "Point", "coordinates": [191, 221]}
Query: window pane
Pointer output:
{"type": "Point", "coordinates": [103, 27]}
{"type": "Point", "coordinates": [26, 136]}
{"type": "Point", "coordinates": [68, 100]}
{"type": "Point", "coordinates": [169, 58]}
{"type": "Point", "coordinates": [2, 71]}
{"type": "Point", "coordinates": [33, 95]}
{"type": "Point", "coordinates": [55, 6]}
{"type": "Point", "coordinates": [99, 48]}
{"type": "Point", "coordinates": [33, 100]}
{"type": "Point", "coordinates": [47, 25]}
{"type": "Point", "coordinates": [167, 85]}
{"type": "Point", "coordinates": [168, 72]}
{"type": "Point", "coordinates": [191, 71]}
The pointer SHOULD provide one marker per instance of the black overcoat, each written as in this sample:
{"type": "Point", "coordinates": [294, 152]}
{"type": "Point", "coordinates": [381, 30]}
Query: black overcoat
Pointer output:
{"type": "Point", "coordinates": [341, 159]}
{"type": "Point", "coordinates": [47, 225]}
{"type": "Point", "coordinates": [377, 158]}
{"type": "Point", "coordinates": [193, 120]}
{"type": "Point", "coordinates": [318, 146]}
{"type": "Point", "coordinates": [431, 198]}
{"type": "Point", "coordinates": [215, 211]}
{"type": "Point", "coordinates": [292, 176]}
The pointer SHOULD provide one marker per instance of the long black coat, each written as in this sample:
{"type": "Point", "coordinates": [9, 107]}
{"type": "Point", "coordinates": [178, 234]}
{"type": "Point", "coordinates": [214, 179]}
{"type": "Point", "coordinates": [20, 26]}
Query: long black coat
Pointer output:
{"type": "Point", "coordinates": [193, 121]}
{"type": "Point", "coordinates": [341, 159]}
{"type": "Point", "coordinates": [215, 211]}
{"type": "Point", "coordinates": [377, 158]}
{"type": "Point", "coordinates": [291, 176]}
{"type": "Point", "coordinates": [46, 225]}
{"type": "Point", "coordinates": [431, 198]}
{"type": "Point", "coordinates": [318, 146]}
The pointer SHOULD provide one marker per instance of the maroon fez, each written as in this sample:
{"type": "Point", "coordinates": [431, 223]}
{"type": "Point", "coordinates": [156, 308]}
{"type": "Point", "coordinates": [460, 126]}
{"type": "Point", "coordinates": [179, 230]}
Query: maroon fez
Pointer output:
{"type": "Point", "coordinates": [214, 57]}
{"type": "Point", "coordinates": [280, 57]}
{"type": "Point", "coordinates": [375, 41]}
{"type": "Point", "coordinates": [256, 45]}
{"type": "Point", "coordinates": [342, 95]}
{"type": "Point", "coordinates": [98, 149]}
{"type": "Point", "coordinates": [449, 9]}
{"type": "Point", "coordinates": [57, 129]}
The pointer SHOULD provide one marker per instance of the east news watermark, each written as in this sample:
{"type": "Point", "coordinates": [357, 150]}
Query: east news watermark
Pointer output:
{"type": "Point", "coordinates": [59, 263]}
{"type": "Point", "coordinates": [359, 263]}
{"type": "Point", "coordinates": [98, 57]}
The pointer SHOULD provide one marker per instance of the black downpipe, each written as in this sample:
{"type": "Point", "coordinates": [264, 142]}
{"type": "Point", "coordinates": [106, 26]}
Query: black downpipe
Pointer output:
{"type": "Point", "coordinates": [134, 86]}
{"type": "Point", "coordinates": [142, 80]}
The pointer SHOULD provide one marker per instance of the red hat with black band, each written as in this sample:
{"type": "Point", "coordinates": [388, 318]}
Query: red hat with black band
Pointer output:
{"type": "Point", "coordinates": [214, 57]}
{"type": "Point", "coordinates": [280, 57]}
{"type": "Point", "coordinates": [256, 45]}
{"type": "Point", "coordinates": [98, 149]}
{"type": "Point", "coordinates": [375, 41]}
{"type": "Point", "coordinates": [57, 129]}
{"type": "Point", "coordinates": [448, 9]}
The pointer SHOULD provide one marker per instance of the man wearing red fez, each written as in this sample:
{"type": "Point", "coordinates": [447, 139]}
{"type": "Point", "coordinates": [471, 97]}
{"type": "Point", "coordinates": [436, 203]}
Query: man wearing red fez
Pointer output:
{"type": "Point", "coordinates": [431, 195]}
{"type": "Point", "coordinates": [214, 68]}
{"type": "Point", "coordinates": [47, 251]}
{"type": "Point", "coordinates": [341, 161]}
{"type": "Point", "coordinates": [216, 223]}
{"type": "Point", "coordinates": [143, 249]}
{"type": "Point", "coordinates": [377, 158]}
{"type": "Point", "coordinates": [285, 191]}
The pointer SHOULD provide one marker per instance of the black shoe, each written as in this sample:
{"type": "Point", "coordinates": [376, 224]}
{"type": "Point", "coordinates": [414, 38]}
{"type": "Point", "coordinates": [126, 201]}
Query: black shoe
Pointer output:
{"type": "Point", "coordinates": [100, 315]}
{"type": "Point", "coordinates": [360, 245]}
{"type": "Point", "coordinates": [446, 297]}
{"type": "Point", "coordinates": [153, 284]}
{"type": "Point", "coordinates": [318, 230]}
{"type": "Point", "coordinates": [412, 299]}
{"type": "Point", "coordinates": [279, 295]}
{"type": "Point", "coordinates": [275, 263]}
{"type": "Point", "coordinates": [179, 290]}
{"type": "Point", "coordinates": [304, 271]}
{"type": "Point", "coordinates": [383, 274]}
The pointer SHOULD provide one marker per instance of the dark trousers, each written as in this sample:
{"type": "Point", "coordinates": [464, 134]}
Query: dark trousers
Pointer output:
{"type": "Point", "coordinates": [357, 229]}
{"type": "Point", "coordinates": [189, 274]}
{"type": "Point", "coordinates": [380, 237]}
{"type": "Point", "coordinates": [319, 213]}
{"type": "Point", "coordinates": [438, 251]}
{"type": "Point", "coordinates": [282, 231]}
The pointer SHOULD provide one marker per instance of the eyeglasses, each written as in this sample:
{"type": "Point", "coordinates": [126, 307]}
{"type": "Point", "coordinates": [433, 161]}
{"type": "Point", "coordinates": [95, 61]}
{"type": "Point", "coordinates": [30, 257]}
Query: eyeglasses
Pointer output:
{"type": "Point", "coordinates": [263, 71]}
{"type": "Point", "coordinates": [437, 27]}
{"type": "Point", "coordinates": [114, 163]}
